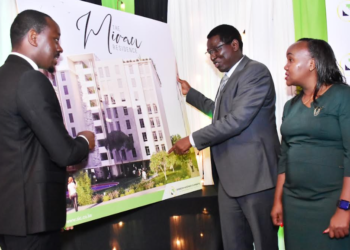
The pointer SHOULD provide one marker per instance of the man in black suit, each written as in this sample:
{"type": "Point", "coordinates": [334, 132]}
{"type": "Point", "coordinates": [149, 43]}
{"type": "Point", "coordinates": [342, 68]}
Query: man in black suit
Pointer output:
{"type": "Point", "coordinates": [243, 141]}
{"type": "Point", "coordinates": [35, 147]}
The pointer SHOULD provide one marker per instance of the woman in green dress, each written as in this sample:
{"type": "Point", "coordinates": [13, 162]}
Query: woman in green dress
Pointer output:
{"type": "Point", "coordinates": [313, 186]}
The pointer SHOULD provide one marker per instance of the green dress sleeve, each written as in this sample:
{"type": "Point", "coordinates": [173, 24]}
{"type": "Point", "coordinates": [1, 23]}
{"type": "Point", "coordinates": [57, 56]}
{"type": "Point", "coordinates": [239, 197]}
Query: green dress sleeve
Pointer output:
{"type": "Point", "coordinates": [344, 123]}
{"type": "Point", "coordinates": [282, 157]}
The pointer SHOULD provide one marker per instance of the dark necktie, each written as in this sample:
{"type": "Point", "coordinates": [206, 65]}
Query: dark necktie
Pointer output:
{"type": "Point", "coordinates": [221, 87]}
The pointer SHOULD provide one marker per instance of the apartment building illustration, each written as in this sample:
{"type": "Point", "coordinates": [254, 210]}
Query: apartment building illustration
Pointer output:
{"type": "Point", "coordinates": [114, 97]}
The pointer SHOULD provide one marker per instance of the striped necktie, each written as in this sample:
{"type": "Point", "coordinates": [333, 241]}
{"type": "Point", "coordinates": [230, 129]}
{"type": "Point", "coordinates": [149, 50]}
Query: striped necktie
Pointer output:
{"type": "Point", "coordinates": [221, 87]}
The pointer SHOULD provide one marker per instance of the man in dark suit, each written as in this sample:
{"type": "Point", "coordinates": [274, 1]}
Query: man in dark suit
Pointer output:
{"type": "Point", "coordinates": [35, 147]}
{"type": "Point", "coordinates": [243, 140]}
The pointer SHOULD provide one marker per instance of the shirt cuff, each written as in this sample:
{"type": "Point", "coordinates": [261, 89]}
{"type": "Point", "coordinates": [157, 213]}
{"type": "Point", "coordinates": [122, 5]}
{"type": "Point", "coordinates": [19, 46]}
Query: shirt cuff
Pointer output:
{"type": "Point", "coordinates": [84, 138]}
{"type": "Point", "coordinates": [192, 141]}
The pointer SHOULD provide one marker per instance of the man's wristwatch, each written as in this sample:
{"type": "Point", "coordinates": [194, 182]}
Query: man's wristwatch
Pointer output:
{"type": "Point", "coordinates": [342, 204]}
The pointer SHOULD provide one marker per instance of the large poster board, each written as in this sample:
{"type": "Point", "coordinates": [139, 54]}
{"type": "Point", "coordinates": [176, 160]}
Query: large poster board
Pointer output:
{"type": "Point", "coordinates": [338, 27]}
{"type": "Point", "coordinates": [117, 78]}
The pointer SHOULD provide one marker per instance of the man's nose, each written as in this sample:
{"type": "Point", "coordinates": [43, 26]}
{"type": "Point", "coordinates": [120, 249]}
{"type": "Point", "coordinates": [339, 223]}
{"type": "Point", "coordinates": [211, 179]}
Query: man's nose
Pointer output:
{"type": "Point", "coordinates": [59, 48]}
{"type": "Point", "coordinates": [213, 56]}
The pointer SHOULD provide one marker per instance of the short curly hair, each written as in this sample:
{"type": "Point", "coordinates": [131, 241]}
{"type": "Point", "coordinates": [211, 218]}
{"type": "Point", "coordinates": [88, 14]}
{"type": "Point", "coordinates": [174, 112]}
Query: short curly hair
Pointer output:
{"type": "Point", "coordinates": [26, 20]}
{"type": "Point", "coordinates": [227, 34]}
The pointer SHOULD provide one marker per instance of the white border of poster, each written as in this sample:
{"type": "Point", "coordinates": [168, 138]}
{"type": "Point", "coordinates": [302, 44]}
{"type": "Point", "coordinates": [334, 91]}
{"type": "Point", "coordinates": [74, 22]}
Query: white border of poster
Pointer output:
{"type": "Point", "coordinates": [116, 70]}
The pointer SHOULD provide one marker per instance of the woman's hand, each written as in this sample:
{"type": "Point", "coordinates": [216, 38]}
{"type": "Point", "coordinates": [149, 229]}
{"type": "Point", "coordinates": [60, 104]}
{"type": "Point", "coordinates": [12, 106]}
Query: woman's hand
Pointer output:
{"type": "Point", "coordinates": [277, 213]}
{"type": "Point", "coordinates": [339, 224]}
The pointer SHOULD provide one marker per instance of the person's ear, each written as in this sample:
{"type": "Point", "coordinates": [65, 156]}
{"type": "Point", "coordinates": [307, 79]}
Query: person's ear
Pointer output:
{"type": "Point", "coordinates": [32, 37]}
{"type": "Point", "coordinates": [235, 44]}
{"type": "Point", "coordinates": [312, 65]}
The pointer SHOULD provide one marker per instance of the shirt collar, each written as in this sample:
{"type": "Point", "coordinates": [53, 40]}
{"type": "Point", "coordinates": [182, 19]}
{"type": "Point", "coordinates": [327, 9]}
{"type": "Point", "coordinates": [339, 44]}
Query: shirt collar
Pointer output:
{"type": "Point", "coordinates": [229, 73]}
{"type": "Point", "coordinates": [30, 61]}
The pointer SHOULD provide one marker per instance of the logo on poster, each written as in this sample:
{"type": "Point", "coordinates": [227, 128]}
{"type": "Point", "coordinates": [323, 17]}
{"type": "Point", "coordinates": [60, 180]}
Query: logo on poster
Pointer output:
{"type": "Point", "coordinates": [115, 39]}
{"type": "Point", "coordinates": [173, 191]}
{"type": "Point", "coordinates": [344, 10]}
{"type": "Point", "coordinates": [345, 65]}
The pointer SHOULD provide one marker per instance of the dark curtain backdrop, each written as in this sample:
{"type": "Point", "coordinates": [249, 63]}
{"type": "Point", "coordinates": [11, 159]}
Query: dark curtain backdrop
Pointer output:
{"type": "Point", "coordinates": [98, 2]}
{"type": "Point", "coordinates": [154, 9]}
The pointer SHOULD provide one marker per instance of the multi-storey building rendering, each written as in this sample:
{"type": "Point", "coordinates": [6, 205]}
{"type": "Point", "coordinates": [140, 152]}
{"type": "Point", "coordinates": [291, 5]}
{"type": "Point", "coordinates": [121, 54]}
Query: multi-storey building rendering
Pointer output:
{"type": "Point", "coordinates": [114, 98]}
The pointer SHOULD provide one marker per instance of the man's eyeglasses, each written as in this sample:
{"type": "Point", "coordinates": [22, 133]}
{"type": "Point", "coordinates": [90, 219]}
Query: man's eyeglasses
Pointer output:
{"type": "Point", "coordinates": [215, 50]}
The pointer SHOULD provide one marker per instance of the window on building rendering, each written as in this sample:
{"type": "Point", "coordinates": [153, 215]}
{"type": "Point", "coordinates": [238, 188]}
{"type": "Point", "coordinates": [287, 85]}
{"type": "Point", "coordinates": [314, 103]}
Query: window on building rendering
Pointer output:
{"type": "Point", "coordinates": [158, 121]}
{"type": "Point", "coordinates": [131, 70]}
{"type": "Point", "coordinates": [136, 96]}
{"type": "Point", "coordinates": [115, 112]}
{"type": "Point", "coordinates": [93, 103]}
{"type": "Point", "coordinates": [133, 152]}
{"type": "Point", "coordinates": [120, 83]}
{"type": "Point", "coordinates": [155, 108]}
{"type": "Point", "coordinates": [141, 68]}
{"type": "Point", "coordinates": [100, 71]}
{"type": "Point", "coordinates": [91, 90]}
{"type": "Point", "coordinates": [74, 133]}
{"type": "Point", "coordinates": [122, 96]}
{"type": "Point", "coordinates": [157, 148]}
{"type": "Point", "coordinates": [65, 90]}
{"type": "Point", "coordinates": [107, 71]}
{"type": "Point", "coordinates": [144, 136]}
{"type": "Point", "coordinates": [117, 71]}
{"type": "Point", "coordinates": [71, 119]}
{"type": "Point", "coordinates": [63, 76]}
{"type": "Point", "coordinates": [149, 109]}
{"type": "Point", "coordinates": [147, 150]}
{"type": "Point", "coordinates": [104, 157]}
{"type": "Point", "coordinates": [142, 124]}
{"type": "Point", "coordinates": [163, 147]}
{"type": "Point", "coordinates": [117, 125]}
{"type": "Point", "coordinates": [123, 154]}
{"type": "Point", "coordinates": [68, 104]}
{"type": "Point", "coordinates": [88, 77]}
{"type": "Point", "coordinates": [125, 111]}
{"type": "Point", "coordinates": [131, 138]}
{"type": "Point", "coordinates": [152, 122]}
{"type": "Point", "coordinates": [112, 99]}
{"type": "Point", "coordinates": [101, 143]}
{"type": "Point", "coordinates": [111, 126]}
{"type": "Point", "coordinates": [155, 136]}
{"type": "Point", "coordinates": [133, 82]}
{"type": "Point", "coordinates": [106, 99]}
{"type": "Point", "coordinates": [139, 111]}
{"type": "Point", "coordinates": [128, 126]}
{"type": "Point", "coordinates": [149, 81]}
{"type": "Point", "coordinates": [95, 116]}
{"type": "Point", "coordinates": [143, 81]}
{"type": "Point", "coordinates": [98, 130]}
{"type": "Point", "coordinates": [146, 67]}
{"type": "Point", "coordinates": [109, 115]}
{"type": "Point", "coordinates": [160, 135]}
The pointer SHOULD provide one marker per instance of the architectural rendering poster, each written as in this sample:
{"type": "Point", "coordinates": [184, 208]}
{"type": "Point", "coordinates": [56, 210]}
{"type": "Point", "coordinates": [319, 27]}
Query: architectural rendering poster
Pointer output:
{"type": "Point", "coordinates": [117, 78]}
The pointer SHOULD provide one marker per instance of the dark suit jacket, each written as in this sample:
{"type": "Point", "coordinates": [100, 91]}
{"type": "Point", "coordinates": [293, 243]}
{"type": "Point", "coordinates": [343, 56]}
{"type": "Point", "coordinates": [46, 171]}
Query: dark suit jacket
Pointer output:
{"type": "Point", "coordinates": [243, 137]}
{"type": "Point", "coordinates": [34, 150]}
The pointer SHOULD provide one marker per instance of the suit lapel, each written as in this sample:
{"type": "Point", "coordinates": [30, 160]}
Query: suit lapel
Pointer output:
{"type": "Point", "coordinates": [230, 84]}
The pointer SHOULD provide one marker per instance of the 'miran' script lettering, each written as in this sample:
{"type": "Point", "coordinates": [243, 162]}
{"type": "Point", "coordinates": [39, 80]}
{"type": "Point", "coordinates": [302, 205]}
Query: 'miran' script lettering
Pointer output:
{"type": "Point", "coordinates": [114, 37]}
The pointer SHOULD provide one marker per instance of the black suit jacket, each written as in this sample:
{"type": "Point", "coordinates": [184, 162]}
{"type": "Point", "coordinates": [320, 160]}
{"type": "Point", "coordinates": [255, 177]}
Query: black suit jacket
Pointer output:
{"type": "Point", "coordinates": [35, 148]}
{"type": "Point", "coordinates": [243, 136]}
